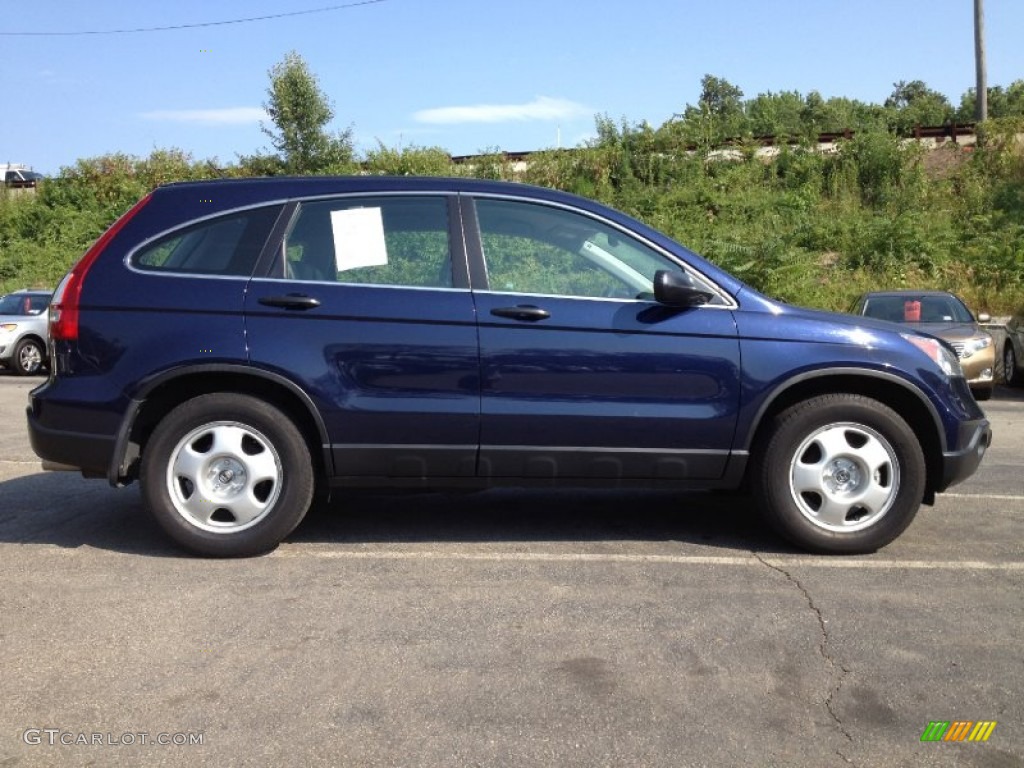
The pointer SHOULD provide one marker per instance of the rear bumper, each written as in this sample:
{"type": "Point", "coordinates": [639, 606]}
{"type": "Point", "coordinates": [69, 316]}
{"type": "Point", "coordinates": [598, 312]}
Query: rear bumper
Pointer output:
{"type": "Point", "coordinates": [961, 464]}
{"type": "Point", "coordinates": [90, 453]}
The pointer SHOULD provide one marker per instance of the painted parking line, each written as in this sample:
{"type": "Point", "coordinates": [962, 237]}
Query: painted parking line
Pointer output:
{"type": "Point", "coordinates": [302, 551]}
{"type": "Point", "coordinates": [989, 496]}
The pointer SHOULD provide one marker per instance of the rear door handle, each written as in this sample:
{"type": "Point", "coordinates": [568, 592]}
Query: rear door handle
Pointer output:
{"type": "Point", "coordinates": [526, 312]}
{"type": "Point", "coordinates": [291, 301]}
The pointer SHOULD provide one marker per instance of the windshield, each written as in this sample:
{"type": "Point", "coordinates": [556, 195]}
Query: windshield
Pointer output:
{"type": "Point", "coordinates": [917, 309]}
{"type": "Point", "coordinates": [23, 304]}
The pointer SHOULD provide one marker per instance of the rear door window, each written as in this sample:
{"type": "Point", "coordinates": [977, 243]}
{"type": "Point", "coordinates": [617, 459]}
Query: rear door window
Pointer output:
{"type": "Point", "coordinates": [38, 304]}
{"type": "Point", "coordinates": [393, 241]}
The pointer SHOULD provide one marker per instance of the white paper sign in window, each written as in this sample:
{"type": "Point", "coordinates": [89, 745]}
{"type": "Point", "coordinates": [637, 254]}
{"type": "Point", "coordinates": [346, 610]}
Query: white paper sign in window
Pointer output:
{"type": "Point", "coordinates": [359, 238]}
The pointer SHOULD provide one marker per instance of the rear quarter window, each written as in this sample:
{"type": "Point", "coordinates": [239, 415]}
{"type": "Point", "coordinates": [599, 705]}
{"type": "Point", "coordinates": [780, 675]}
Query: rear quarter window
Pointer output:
{"type": "Point", "coordinates": [228, 245]}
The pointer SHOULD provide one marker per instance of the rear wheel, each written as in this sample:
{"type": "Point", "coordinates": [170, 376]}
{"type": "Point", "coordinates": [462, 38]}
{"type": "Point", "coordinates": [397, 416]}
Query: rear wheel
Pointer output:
{"type": "Point", "coordinates": [840, 473]}
{"type": "Point", "coordinates": [227, 475]}
{"type": "Point", "coordinates": [28, 357]}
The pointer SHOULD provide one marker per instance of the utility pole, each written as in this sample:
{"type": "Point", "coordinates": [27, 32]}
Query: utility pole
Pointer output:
{"type": "Point", "coordinates": [981, 89]}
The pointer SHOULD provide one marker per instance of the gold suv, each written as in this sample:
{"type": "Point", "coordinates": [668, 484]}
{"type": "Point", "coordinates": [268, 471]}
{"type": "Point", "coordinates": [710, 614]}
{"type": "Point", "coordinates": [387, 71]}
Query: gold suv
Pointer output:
{"type": "Point", "coordinates": [944, 315]}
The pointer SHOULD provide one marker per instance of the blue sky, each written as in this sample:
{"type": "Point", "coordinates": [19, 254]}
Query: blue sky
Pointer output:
{"type": "Point", "coordinates": [465, 75]}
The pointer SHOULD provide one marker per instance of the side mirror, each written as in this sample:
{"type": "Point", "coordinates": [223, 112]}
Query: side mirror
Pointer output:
{"type": "Point", "coordinates": [984, 317]}
{"type": "Point", "coordinates": [678, 289]}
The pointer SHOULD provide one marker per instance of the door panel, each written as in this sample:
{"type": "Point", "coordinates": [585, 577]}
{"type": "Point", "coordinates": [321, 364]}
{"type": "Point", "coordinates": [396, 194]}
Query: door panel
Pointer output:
{"type": "Point", "coordinates": [376, 335]}
{"type": "Point", "coordinates": [582, 375]}
{"type": "Point", "coordinates": [607, 389]}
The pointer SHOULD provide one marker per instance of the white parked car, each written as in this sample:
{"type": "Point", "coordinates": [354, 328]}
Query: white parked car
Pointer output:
{"type": "Point", "coordinates": [23, 331]}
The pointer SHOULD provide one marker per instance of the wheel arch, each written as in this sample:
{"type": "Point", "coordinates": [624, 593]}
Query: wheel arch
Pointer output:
{"type": "Point", "coordinates": [886, 388]}
{"type": "Point", "coordinates": [33, 337]}
{"type": "Point", "coordinates": [160, 394]}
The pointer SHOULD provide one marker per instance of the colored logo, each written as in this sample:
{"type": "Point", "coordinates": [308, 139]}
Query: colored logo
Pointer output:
{"type": "Point", "coordinates": [958, 730]}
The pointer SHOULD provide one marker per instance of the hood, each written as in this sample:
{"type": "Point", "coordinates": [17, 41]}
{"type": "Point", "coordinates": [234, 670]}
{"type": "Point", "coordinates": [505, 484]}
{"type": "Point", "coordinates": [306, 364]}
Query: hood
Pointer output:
{"type": "Point", "coordinates": [950, 331]}
{"type": "Point", "coordinates": [779, 309]}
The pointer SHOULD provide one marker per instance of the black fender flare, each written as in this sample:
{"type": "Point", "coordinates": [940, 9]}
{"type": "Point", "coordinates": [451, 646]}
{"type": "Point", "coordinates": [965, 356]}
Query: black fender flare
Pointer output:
{"type": "Point", "coordinates": [117, 469]}
{"type": "Point", "coordinates": [849, 371]}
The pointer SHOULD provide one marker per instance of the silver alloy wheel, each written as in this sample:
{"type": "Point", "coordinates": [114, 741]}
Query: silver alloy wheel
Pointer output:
{"type": "Point", "coordinates": [224, 477]}
{"type": "Point", "coordinates": [30, 358]}
{"type": "Point", "coordinates": [844, 477]}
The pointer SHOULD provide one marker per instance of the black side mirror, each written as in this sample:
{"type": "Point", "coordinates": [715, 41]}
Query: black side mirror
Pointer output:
{"type": "Point", "coordinates": [678, 289]}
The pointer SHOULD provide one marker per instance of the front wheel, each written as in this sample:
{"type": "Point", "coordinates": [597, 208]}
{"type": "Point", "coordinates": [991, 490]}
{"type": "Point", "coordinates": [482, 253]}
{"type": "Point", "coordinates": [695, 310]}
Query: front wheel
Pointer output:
{"type": "Point", "coordinates": [28, 357]}
{"type": "Point", "coordinates": [227, 475]}
{"type": "Point", "coordinates": [840, 473]}
{"type": "Point", "coordinates": [1011, 374]}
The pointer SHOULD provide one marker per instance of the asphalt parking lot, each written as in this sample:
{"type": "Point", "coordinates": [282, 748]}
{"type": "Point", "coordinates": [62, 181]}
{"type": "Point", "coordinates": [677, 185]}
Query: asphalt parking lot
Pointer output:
{"type": "Point", "coordinates": [507, 629]}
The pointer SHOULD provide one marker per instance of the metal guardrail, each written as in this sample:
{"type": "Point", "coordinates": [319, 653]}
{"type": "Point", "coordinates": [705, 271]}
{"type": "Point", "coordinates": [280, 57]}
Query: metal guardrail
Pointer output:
{"type": "Point", "coordinates": [953, 132]}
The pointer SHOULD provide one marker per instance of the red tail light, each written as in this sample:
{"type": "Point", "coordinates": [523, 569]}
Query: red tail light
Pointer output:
{"type": "Point", "coordinates": [64, 304]}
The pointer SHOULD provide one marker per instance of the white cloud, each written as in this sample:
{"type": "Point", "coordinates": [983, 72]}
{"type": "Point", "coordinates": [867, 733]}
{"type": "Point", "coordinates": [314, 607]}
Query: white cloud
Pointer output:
{"type": "Point", "coordinates": [541, 108]}
{"type": "Point", "coordinates": [53, 77]}
{"type": "Point", "coordinates": [225, 116]}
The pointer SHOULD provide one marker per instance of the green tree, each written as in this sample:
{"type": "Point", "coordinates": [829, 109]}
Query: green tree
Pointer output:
{"type": "Point", "coordinates": [839, 114]}
{"type": "Point", "coordinates": [776, 114]}
{"type": "Point", "coordinates": [1002, 102]}
{"type": "Point", "coordinates": [914, 103]}
{"type": "Point", "coordinates": [409, 161]}
{"type": "Point", "coordinates": [300, 113]}
{"type": "Point", "coordinates": [720, 97]}
{"type": "Point", "coordinates": [717, 116]}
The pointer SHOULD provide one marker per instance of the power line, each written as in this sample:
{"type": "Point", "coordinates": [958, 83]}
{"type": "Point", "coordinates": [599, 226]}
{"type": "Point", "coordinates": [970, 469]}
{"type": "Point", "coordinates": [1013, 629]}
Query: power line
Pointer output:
{"type": "Point", "coordinates": [192, 26]}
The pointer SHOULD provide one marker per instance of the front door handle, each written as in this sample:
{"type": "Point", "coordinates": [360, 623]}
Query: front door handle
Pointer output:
{"type": "Point", "coordinates": [526, 312]}
{"type": "Point", "coordinates": [291, 301]}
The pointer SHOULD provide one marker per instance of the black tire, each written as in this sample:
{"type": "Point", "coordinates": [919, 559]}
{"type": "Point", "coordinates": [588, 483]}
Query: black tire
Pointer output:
{"type": "Point", "coordinates": [1011, 372]}
{"type": "Point", "coordinates": [227, 475]}
{"type": "Point", "coordinates": [839, 474]}
{"type": "Point", "coordinates": [982, 394]}
{"type": "Point", "coordinates": [29, 357]}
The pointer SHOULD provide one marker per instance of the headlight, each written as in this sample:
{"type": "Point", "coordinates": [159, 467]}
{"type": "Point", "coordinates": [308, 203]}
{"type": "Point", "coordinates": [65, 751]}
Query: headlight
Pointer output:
{"type": "Point", "coordinates": [976, 345]}
{"type": "Point", "coordinates": [8, 327]}
{"type": "Point", "coordinates": [937, 352]}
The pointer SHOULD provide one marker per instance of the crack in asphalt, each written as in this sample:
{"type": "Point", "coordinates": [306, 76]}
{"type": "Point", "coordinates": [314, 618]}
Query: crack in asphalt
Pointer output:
{"type": "Point", "coordinates": [837, 671]}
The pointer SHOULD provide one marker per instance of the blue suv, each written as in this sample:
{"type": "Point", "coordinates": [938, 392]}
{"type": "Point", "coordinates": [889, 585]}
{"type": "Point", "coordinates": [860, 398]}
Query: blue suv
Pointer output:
{"type": "Point", "coordinates": [235, 345]}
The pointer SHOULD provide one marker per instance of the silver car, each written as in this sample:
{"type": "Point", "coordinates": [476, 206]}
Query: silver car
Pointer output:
{"type": "Point", "coordinates": [23, 331]}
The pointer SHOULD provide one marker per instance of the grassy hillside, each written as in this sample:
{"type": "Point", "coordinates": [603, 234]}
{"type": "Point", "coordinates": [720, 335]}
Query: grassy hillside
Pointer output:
{"type": "Point", "coordinates": [805, 227]}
